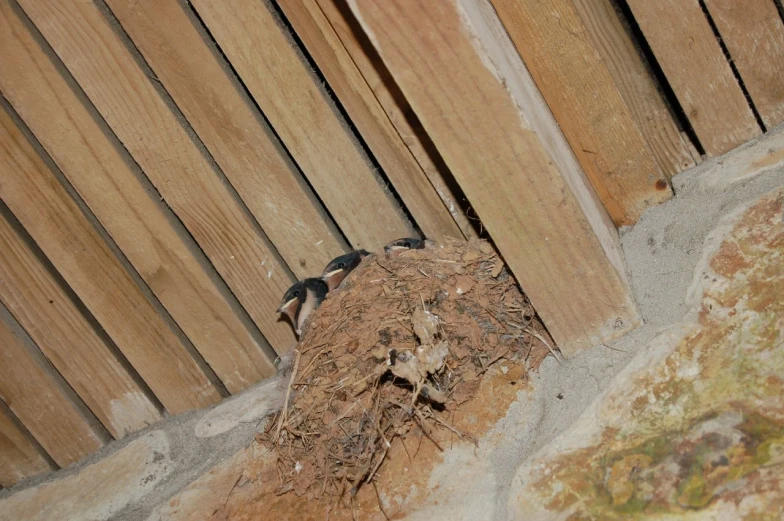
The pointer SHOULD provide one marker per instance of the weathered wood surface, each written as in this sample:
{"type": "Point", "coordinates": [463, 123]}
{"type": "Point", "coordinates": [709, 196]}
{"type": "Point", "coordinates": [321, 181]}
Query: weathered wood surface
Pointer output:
{"type": "Point", "coordinates": [36, 397]}
{"type": "Point", "coordinates": [20, 457]}
{"type": "Point", "coordinates": [395, 105]}
{"type": "Point", "coordinates": [104, 177]}
{"type": "Point", "coordinates": [122, 93]}
{"type": "Point", "coordinates": [201, 84]}
{"type": "Point", "coordinates": [83, 258]}
{"type": "Point", "coordinates": [579, 89]}
{"type": "Point", "coordinates": [691, 58]}
{"type": "Point", "coordinates": [436, 51]}
{"type": "Point", "coordinates": [753, 32]}
{"type": "Point", "coordinates": [56, 325]}
{"type": "Point", "coordinates": [373, 124]}
{"type": "Point", "coordinates": [299, 109]}
{"type": "Point", "coordinates": [636, 84]}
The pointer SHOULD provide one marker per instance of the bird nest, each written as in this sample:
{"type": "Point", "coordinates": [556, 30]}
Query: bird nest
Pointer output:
{"type": "Point", "coordinates": [404, 341]}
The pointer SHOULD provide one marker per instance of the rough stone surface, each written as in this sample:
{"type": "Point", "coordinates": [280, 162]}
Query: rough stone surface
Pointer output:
{"type": "Point", "coordinates": [693, 427]}
{"type": "Point", "coordinates": [98, 491]}
{"type": "Point", "coordinates": [248, 407]}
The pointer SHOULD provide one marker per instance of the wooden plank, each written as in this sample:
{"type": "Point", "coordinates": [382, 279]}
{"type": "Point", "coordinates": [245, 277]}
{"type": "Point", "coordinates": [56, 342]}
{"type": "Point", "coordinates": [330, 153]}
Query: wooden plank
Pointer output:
{"type": "Point", "coordinates": [239, 140]}
{"type": "Point", "coordinates": [87, 264]}
{"type": "Point", "coordinates": [19, 456]}
{"type": "Point", "coordinates": [109, 75]}
{"type": "Point", "coordinates": [754, 34]}
{"type": "Point", "coordinates": [37, 399]}
{"type": "Point", "coordinates": [559, 53]}
{"type": "Point", "coordinates": [348, 84]}
{"type": "Point", "coordinates": [299, 109]}
{"type": "Point", "coordinates": [134, 217]}
{"type": "Point", "coordinates": [687, 51]}
{"type": "Point", "coordinates": [394, 105]}
{"type": "Point", "coordinates": [618, 53]}
{"type": "Point", "coordinates": [70, 343]}
{"type": "Point", "coordinates": [451, 63]}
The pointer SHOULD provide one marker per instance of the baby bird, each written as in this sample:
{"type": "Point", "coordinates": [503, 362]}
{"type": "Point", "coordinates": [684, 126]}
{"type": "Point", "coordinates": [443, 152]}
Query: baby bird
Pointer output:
{"type": "Point", "coordinates": [301, 300]}
{"type": "Point", "coordinates": [397, 247]}
{"type": "Point", "coordinates": [339, 268]}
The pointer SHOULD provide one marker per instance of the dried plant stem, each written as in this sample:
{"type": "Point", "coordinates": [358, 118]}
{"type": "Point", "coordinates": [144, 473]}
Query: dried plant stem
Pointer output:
{"type": "Point", "coordinates": [285, 412]}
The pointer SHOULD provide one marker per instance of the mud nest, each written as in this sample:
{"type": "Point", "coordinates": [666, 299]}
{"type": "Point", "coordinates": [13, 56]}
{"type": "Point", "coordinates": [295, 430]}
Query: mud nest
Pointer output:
{"type": "Point", "coordinates": [404, 341]}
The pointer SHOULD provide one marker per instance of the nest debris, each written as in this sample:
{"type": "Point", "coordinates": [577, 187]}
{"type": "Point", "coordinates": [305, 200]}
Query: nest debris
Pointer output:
{"type": "Point", "coordinates": [402, 342]}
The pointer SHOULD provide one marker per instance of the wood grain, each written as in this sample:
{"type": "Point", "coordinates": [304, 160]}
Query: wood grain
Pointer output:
{"type": "Point", "coordinates": [754, 34]}
{"type": "Point", "coordinates": [137, 221]}
{"type": "Point", "coordinates": [359, 101]}
{"type": "Point", "coordinates": [36, 398]}
{"type": "Point", "coordinates": [70, 343]}
{"type": "Point", "coordinates": [442, 56]}
{"type": "Point", "coordinates": [87, 264]}
{"type": "Point", "coordinates": [299, 109]}
{"type": "Point", "coordinates": [394, 105]}
{"type": "Point", "coordinates": [238, 138]}
{"type": "Point", "coordinates": [19, 457]}
{"type": "Point", "coordinates": [619, 55]}
{"type": "Point", "coordinates": [559, 53]}
{"type": "Point", "coordinates": [691, 58]}
{"type": "Point", "coordinates": [122, 93]}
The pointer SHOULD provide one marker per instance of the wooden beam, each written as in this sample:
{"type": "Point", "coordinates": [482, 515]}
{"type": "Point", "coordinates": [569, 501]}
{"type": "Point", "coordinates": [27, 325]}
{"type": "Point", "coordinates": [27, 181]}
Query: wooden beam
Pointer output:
{"type": "Point", "coordinates": [87, 264]}
{"type": "Point", "coordinates": [20, 458]}
{"type": "Point", "coordinates": [135, 111]}
{"type": "Point", "coordinates": [35, 396]}
{"type": "Point", "coordinates": [306, 120]}
{"type": "Point", "coordinates": [453, 65]}
{"type": "Point", "coordinates": [139, 223]}
{"type": "Point", "coordinates": [394, 105]}
{"type": "Point", "coordinates": [201, 84]}
{"type": "Point", "coordinates": [350, 87]}
{"type": "Point", "coordinates": [580, 91]}
{"type": "Point", "coordinates": [611, 40]}
{"type": "Point", "coordinates": [70, 343]}
{"type": "Point", "coordinates": [754, 35]}
{"type": "Point", "coordinates": [691, 58]}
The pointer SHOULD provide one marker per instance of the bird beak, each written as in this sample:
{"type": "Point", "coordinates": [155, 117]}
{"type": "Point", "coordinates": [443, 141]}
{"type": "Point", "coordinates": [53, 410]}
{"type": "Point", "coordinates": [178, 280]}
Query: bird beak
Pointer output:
{"type": "Point", "coordinates": [333, 278]}
{"type": "Point", "coordinates": [331, 273]}
{"type": "Point", "coordinates": [286, 307]}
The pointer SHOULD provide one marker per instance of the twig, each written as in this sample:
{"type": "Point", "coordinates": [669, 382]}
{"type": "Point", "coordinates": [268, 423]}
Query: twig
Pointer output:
{"type": "Point", "coordinates": [285, 413]}
{"type": "Point", "coordinates": [542, 340]}
{"type": "Point", "coordinates": [378, 497]}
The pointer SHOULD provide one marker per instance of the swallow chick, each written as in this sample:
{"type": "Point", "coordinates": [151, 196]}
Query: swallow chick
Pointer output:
{"type": "Point", "coordinates": [301, 300]}
{"type": "Point", "coordinates": [339, 268]}
{"type": "Point", "coordinates": [397, 247]}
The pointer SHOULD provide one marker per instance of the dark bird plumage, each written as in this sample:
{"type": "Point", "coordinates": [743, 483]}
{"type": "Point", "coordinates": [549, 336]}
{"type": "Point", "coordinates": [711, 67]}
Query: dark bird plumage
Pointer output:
{"type": "Point", "coordinates": [339, 268]}
{"type": "Point", "coordinates": [301, 300]}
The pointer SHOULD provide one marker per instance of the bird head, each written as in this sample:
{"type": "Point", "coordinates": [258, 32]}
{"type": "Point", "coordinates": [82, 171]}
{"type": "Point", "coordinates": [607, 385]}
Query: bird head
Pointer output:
{"type": "Point", "coordinates": [339, 268]}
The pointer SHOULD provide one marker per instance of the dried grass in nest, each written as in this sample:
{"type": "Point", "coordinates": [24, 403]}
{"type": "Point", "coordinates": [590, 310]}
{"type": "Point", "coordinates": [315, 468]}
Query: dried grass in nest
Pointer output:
{"type": "Point", "coordinates": [433, 321]}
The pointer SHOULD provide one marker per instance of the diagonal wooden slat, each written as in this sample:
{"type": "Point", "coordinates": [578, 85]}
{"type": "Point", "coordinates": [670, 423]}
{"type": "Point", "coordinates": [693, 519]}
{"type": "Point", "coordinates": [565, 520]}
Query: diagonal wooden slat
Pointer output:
{"type": "Point", "coordinates": [36, 398]}
{"type": "Point", "coordinates": [20, 457]}
{"type": "Point", "coordinates": [753, 32]}
{"type": "Point", "coordinates": [589, 108]}
{"type": "Point", "coordinates": [395, 106]}
{"type": "Point", "coordinates": [691, 58]}
{"type": "Point", "coordinates": [467, 86]}
{"type": "Point", "coordinates": [672, 151]}
{"type": "Point", "coordinates": [242, 144]}
{"type": "Point", "coordinates": [345, 79]}
{"type": "Point", "coordinates": [305, 119]}
{"type": "Point", "coordinates": [70, 343]}
{"type": "Point", "coordinates": [107, 72]}
{"type": "Point", "coordinates": [103, 176]}
{"type": "Point", "coordinates": [87, 264]}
